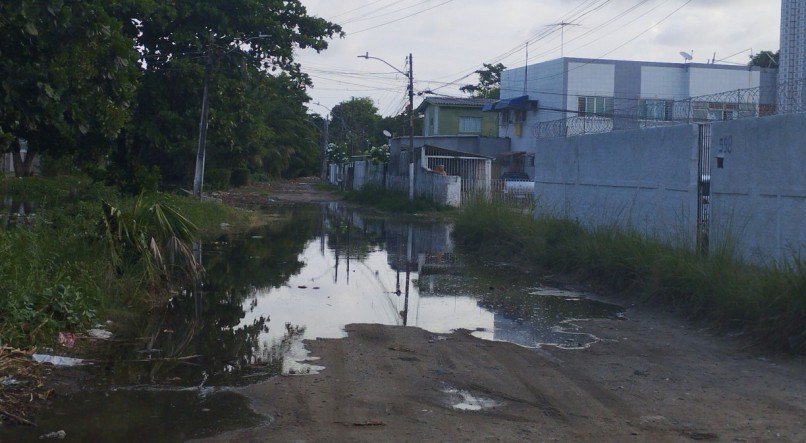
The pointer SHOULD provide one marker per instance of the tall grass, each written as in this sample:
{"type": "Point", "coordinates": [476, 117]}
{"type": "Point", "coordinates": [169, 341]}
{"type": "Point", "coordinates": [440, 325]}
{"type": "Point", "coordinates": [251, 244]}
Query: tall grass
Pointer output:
{"type": "Point", "coordinates": [766, 302]}
{"type": "Point", "coordinates": [61, 269]}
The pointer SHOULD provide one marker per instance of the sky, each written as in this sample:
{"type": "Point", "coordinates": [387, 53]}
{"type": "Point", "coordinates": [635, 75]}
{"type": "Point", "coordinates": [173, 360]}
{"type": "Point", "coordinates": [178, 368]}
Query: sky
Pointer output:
{"type": "Point", "coordinates": [450, 39]}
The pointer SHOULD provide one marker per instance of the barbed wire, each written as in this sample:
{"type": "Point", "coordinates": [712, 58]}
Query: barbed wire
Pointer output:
{"type": "Point", "coordinates": [760, 101]}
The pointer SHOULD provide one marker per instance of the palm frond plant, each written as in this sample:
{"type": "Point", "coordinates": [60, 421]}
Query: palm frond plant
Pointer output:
{"type": "Point", "coordinates": [152, 236]}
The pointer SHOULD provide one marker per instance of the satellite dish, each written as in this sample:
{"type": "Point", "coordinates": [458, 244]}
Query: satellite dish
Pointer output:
{"type": "Point", "coordinates": [387, 133]}
{"type": "Point", "coordinates": [686, 56]}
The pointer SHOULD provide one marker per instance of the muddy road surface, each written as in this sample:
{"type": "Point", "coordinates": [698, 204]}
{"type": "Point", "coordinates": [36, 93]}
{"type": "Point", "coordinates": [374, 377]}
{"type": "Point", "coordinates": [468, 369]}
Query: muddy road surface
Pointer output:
{"type": "Point", "coordinates": [648, 379]}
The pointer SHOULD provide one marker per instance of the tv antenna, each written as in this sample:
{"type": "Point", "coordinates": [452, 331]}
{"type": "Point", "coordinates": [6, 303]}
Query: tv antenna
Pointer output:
{"type": "Point", "coordinates": [562, 26]}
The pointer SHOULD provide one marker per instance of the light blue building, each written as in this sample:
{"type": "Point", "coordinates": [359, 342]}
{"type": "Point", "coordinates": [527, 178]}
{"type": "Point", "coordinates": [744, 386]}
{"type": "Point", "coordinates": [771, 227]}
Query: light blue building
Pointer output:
{"type": "Point", "coordinates": [620, 93]}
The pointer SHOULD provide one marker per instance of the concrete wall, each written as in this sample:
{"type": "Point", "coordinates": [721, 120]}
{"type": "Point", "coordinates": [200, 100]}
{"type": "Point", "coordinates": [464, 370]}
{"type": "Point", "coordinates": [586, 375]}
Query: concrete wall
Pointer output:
{"type": "Point", "coordinates": [645, 179]}
{"type": "Point", "coordinates": [445, 190]}
{"type": "Point", "coordinates": [759, 195]}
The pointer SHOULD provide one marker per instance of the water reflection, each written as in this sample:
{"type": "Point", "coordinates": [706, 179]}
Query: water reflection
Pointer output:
{"type": "Point", "coordinates": [309, 273]}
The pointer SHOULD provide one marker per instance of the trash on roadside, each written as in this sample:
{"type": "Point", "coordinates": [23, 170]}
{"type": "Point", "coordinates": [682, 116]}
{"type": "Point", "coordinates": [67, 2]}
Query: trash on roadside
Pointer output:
{"type": "Point", "coordinates": [99, 334]}
{"type": "Point", "coordinates": [57, 360]}
{"type": "Point", "coordinates": [58, 434]}
{"type": "Point", "coordinates": [67, 339]}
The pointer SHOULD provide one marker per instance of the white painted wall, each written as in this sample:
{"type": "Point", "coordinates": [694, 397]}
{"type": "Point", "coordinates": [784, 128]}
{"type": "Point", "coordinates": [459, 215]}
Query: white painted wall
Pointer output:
{"type": "Point", "coordinates": [664, 82]}
{"type": "Point", "coordinates": [589, 79]}
{"type": "Point", "coordinates": [644, 179]}
{"type": "Point", "coordinates": [704, 81]}
{"type": "Point", "coordinates": [759, 196]}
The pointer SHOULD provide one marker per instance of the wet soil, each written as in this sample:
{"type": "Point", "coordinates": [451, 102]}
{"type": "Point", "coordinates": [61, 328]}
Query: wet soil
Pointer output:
{"type": "Point", "coordinates": [651, 378]}
{"type": "Point", "coordinates": [300, 190]}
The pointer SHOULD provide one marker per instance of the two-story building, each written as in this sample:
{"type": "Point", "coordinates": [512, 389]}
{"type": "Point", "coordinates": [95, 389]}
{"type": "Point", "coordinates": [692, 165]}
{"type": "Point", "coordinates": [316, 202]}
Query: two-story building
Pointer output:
{"type": "Point", "coordinates": [457, 116]}
{"type": "Point", "coordinates": [618, 94]}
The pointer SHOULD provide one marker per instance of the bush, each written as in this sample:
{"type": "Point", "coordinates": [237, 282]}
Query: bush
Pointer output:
{"type": "Point", "coordinates": [239, 177]}
{"type": "Point", "coordinates": [216, 178]}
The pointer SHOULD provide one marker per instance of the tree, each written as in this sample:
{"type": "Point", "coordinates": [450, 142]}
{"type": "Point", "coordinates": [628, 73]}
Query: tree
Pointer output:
{"type": "Point", "coordinates": [765, 59]}
{"type": "Point", "coordinates": [489, 85]}
{"type": "Point", "coordinates": [398, 125]}
{"type": "Point", "coordinates": [354, 122]}
{"type": "Point", "coordinates": [67, 75]}
{"type": "Point", "coordinates": [257, 90]}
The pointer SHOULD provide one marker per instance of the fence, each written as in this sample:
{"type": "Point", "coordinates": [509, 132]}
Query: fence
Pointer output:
{"type": "Point", "coordinates": [729, 105]}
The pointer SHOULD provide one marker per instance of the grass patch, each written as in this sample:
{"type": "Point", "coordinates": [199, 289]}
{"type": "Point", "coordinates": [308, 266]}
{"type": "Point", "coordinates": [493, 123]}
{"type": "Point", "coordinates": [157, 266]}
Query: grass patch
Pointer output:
{"type": "Point", "coordinates": [57, 271]}
{"type": "Point", "coordinates": [391, 201]}
{"type": "Point", "coordinates": [765, 302]}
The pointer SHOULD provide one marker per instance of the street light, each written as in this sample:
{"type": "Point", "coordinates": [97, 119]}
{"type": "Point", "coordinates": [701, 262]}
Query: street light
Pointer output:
{"type": "Point", "coordinates": [410, 76]}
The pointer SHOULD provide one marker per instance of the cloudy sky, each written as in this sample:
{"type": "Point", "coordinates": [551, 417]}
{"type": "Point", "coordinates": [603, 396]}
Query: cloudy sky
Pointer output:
{"type": "Point", "coordinates": [451, 38]}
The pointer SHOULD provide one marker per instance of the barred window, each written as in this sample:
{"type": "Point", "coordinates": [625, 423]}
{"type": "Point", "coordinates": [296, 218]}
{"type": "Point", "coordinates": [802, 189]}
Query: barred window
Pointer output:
{"type": "Point", "coordinates": [596, 105]}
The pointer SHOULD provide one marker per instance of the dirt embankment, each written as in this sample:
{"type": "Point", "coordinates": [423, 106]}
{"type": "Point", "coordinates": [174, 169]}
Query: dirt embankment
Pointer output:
{"type": "Point", "coordinates": [650, 379]}
{"type": "Point", "coordinates": [300, 190]}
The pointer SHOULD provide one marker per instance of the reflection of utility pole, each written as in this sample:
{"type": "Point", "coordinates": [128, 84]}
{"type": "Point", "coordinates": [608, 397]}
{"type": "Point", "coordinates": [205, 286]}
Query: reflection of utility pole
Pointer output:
{"type": "Point", "coordinates": [408, 274]}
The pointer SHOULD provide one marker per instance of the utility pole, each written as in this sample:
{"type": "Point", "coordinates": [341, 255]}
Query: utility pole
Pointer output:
{"type": "Point", "coordinates": [198, 178]}
{"type": "Point", "coordinates": [410, 76]}
{"type": "Point", "coordinates": [411, 126]}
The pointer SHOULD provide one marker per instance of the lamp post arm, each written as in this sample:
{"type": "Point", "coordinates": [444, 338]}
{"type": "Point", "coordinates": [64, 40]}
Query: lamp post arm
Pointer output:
{"type": "Point", "coordinates": [368, 57]}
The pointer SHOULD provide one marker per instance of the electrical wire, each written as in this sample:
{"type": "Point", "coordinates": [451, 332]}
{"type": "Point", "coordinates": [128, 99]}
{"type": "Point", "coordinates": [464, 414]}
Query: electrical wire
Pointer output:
{"type": "Point", "coordinates": [401, 18]}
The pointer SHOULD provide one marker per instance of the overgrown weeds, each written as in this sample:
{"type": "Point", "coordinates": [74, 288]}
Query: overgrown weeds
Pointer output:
{"type": "Point", "coordinates": [391, 201]}
{"type": "Point", "coordinates": [77, 259]}
{"type": "Point", "coordinates": [766, 302]}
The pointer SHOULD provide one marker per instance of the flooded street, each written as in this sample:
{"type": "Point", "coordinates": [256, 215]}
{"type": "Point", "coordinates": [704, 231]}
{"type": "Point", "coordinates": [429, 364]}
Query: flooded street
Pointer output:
{"type": "Point", "coordinates": [306, 275]}
{"type": "Point", "coordinates": [333, 324]}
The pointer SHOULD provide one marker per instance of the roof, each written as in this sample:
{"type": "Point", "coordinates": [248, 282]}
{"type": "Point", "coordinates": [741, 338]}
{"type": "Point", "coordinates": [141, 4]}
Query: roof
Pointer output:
{"type": "Point", "coordinates": [521, 103]}
{"type": "Point", "coordinates": [456, 102]}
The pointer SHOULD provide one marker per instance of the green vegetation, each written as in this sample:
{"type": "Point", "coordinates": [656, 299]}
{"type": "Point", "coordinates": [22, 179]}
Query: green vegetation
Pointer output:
{"type": "Point", "coordinates": [768, 303]}
{"type": "Point", "coordinates": [88, 249]}
{"type": "Point", "coordinates": [116, 88]}
{"type": "Point", "coordinates": [391, 201]}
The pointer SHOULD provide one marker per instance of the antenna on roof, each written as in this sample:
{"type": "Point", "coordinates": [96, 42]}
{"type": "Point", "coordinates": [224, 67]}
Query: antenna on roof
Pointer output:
{"type": "Point", "coordinates": [686, 56]}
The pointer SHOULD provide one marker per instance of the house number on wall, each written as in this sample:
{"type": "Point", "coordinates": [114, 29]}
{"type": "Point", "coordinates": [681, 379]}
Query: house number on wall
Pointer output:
{"type": "Point", "coordinates": [726, 145]}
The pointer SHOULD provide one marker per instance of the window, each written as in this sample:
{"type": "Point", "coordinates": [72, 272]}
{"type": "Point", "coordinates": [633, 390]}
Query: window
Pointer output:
{"type": "Point", "coordinates": [709, 111]}
{"type": "Point", "coordinates": [657, 109]}
{"type": "Point", "coordinates": [469, 124]}
{"type": "Point", "coordinates": [596, 105]}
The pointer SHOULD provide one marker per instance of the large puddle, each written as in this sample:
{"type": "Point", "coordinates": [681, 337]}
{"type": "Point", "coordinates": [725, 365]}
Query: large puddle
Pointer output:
{"type": "Point", "coordinates": [306, 275]}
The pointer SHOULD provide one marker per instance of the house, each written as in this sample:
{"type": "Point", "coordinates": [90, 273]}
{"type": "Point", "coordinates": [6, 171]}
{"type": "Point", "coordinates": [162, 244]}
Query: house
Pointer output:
{"type": "Point", "coordinates": [603, 95]}
{"type": "Point", "coordinates": [451, 116]}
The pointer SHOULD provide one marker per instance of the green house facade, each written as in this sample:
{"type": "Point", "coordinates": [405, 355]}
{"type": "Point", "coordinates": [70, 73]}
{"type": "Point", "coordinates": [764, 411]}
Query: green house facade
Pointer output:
{"type": "Point", "coordinates": [457, 116]}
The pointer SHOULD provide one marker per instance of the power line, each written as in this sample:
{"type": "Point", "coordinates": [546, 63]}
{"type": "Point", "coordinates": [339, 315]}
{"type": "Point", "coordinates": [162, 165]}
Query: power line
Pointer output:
{"type": "Point", "coordinates": [401, 18]}
{"type": "Point", "coordinates": [361, 19]}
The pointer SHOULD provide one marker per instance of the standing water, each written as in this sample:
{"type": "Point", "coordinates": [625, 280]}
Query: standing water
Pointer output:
{"type": "Point", "coordinates": [308, 273]}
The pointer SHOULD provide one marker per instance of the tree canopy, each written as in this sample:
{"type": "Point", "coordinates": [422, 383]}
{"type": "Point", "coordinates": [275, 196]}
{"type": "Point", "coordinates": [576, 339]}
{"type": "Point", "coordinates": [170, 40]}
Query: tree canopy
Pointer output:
{"type": "Point", "coordinates": [765, 59]}
{"type": "Point", "coordinates": [124, 79]}
{"type": "Point", "coordinates": [489, 85]}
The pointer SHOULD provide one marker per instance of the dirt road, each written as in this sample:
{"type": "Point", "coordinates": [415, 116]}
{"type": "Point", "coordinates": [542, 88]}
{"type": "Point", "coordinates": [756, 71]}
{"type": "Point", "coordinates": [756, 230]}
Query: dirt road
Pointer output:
{"type": "Point", "coordinates": [300, 190]}
{"type": "Point", "coordinates": [651, 378]}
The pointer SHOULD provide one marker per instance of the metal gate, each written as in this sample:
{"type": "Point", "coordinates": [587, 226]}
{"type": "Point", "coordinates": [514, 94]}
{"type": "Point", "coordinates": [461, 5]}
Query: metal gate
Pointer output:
{"type": "Point", "coordinates": [704, 188]}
